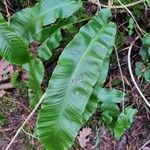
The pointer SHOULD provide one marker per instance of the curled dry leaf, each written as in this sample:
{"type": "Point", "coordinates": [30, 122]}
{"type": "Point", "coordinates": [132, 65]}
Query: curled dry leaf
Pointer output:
{"type": "Point", "coordinates": [2, 93]}
{"type": "Point", "coordinates": [83, 136]}
{"type": "Point", "coordinates": [5, 69]}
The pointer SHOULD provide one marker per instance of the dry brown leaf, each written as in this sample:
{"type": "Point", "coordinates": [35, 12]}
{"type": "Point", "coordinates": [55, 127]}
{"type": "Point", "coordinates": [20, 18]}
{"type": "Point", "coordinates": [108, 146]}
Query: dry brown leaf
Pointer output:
{"type": "Point", "coordinates": [2, 93]}
{"type": "Point", "coordinates": [5, 69]}
{"type": "Point", "coordinates": [83, 136]}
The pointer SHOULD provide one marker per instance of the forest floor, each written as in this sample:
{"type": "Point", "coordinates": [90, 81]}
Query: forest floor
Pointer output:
{"type": "Point", "coordinates": [15, 106]}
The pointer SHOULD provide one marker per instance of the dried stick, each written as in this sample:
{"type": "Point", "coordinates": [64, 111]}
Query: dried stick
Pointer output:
{"type": "Point", "coordinates": [6, 86]}
{"type": "Point", "coordinates": [7, 11]}
{"type": "Point", "coordinates": [132, 76]}
{"type": "Point", "coordinates": [123, 82]}
{"type": "Point", "coordinates": [145, 145]}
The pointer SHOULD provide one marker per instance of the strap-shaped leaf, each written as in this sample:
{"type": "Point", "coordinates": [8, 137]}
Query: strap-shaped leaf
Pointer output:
{"type": "Point", "coordinates": [12, 48]}
{"type": "Point", "coordinates": [30, 21]}
{"type": "Point", "coordinates": [51, 37]}
{"type": "Point", "coordinates": [109, 95]}
{"type": "Point", "coordinates": [72, 82]}
{"type": "Point", "coordinates": [90, 107]}
{"type": "Point", "coordinates": [45, 50]}
{"type": "Point", "coordinates": [104, 95]}
{"type": "Point", "coordinates": [124, 121]}
{"type": "Point", "coordinates": [103, 71]}
{"type": "Point", "coordinates": [93, 101]}
{"type": "Point", "coordinates": [35, 71]}
{"type": "Point", "coordinates": [47, 31]}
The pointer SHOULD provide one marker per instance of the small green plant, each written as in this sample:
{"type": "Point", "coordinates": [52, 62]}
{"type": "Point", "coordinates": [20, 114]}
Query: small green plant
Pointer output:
{"type": "Point", "coordinates": [130, 26]}
{"type": "Point", "coordinates": [76, 86]}
{"type": "Point", "coordinates": [143, 67]}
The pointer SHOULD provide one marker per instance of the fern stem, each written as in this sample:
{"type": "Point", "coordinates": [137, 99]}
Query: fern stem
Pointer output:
{"type": "Point", "coordinates": [24, 123]}
{"type": "Point", "coordinates": [132, 76]}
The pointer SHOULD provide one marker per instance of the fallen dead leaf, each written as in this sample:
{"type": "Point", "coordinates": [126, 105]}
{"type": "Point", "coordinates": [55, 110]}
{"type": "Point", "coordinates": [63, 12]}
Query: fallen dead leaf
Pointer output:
{"type": "Point", "coordinates": [2, 93]}
{"type": "Point", "coordinates": [5, 69]}
{"type": "Point", "coordinates": [83, 136]}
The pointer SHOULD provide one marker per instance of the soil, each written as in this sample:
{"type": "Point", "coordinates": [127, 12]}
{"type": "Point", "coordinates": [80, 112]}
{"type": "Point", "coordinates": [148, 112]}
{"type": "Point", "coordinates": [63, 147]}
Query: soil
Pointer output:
{"type": "Point", "coordinates": [14, 104]}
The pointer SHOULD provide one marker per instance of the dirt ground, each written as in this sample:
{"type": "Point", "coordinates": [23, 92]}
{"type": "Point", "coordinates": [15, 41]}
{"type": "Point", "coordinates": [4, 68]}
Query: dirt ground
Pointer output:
{"type": "Point", "coordinates": [14, 104]}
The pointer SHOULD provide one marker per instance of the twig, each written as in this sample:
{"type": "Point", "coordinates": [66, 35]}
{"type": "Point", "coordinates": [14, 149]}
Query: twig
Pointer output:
{"type": "Point", "coordinates": [29, 134]}
{"type": "Point", "coordinates": [120, 6]}
{"type": "Point", "coordinates": [6, 86]}
{"type": "Point", "coordinates": [7, 11]}
{"type": "Point", "coordinates": [132, 76]}
{"type": "Point", "coordinates": [145, 145]}
{"type": "Point", "coordinates": [110, 3]}
{"type": "Point", "coordinates": [121, 73]}
{"type": "Point", "coordinates": [98, 4]}
{"type": "Point", "coordinates": [24, 123]}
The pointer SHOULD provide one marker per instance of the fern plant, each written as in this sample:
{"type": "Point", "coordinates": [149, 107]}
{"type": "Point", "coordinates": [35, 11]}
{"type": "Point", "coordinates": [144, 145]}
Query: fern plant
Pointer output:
{"type": "Point", "coordinates": [76, 86]}
{"type": "Point", "coordinates": [72, 82]}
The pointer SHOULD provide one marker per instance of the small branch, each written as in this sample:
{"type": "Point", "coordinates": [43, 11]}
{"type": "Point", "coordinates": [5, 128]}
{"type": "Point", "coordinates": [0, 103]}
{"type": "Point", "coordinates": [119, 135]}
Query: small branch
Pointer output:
{"type": "Point", "coordinates": [29, 134]}
{"type": "Point", "coordinates": [132, 76]}
{"type": "Point", "coordinates": [110, 3]}
{"type": "Point", "coordinates": [98, 4]}
{"type": "Point", "coordinates": [121, 73]}
{"type": "Point", "coordinates": [6, 86]}
{"type": "Point", "coordinates": [120, 6]}
{"type": "Point", "coordinates": [24, 123]}
{"type": "Point", "coordinates": [7, 10]}
{"type": "Point", "coordinates": [144, 145]}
